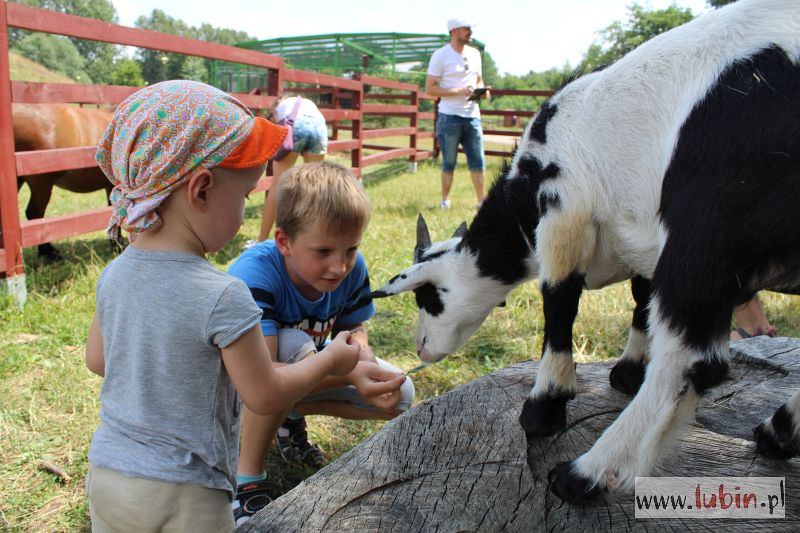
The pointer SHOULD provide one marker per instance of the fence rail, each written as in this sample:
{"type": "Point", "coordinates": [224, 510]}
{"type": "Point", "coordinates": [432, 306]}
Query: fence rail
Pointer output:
{"type": "Point", "coordinates": [365, 96]}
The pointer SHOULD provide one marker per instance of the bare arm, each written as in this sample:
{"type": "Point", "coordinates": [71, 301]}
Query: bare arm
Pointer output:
{"type": "Point", "coordinates": [433, 87]}
{"type": "Point", "coordinates": [94, 349]}
{"type": "Point", "coordinates": [266, 389]}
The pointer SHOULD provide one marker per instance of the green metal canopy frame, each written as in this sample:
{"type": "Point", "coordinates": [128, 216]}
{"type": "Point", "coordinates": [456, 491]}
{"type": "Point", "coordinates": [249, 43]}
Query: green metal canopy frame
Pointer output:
{"type": "Point", "coordinates": [336, 54]}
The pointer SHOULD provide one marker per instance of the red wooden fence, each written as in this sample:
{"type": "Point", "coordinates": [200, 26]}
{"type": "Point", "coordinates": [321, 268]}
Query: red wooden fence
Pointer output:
{"type": "Point", "coordinates": [16, 235]}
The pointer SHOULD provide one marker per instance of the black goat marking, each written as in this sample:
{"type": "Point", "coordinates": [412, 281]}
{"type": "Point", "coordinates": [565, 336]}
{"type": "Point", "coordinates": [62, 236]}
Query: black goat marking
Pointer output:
{"type": "Point", "coordinates": [706, 374]}
{"type": "Point", "coordinates": [422, 258]}
{"type": "Point", "coordinates": [560, 303]}
{"type": "Point", "coordinates": [428, 299]}
{"type": "Point", "coordinates": [640, 289]}
{"type": "Point", "coordinates": [548, 201]}
{"type": "Point", "coordinates": [539, 127]}
{"type": "Point", "coordinates": [729, 197]}
{"type": "Point", "coordinates": [531, 168]}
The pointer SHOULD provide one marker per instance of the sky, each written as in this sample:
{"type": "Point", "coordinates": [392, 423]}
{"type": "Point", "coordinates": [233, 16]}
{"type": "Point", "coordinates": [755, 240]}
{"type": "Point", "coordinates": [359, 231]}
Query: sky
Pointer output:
{"type": "Point", "coordinates": [520, 35]}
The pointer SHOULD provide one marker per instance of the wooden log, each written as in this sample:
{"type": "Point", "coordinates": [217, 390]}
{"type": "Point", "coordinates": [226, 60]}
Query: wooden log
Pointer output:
{"type": "Point", "coordinates": [461, 462]}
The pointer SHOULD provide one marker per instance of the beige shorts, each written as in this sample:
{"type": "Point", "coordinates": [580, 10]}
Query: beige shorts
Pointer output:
{"type": "Point", "coordinates": [122, 503]}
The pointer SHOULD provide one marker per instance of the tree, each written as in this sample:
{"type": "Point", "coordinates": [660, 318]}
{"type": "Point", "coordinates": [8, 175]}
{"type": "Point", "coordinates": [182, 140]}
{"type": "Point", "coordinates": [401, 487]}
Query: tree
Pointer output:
{"type": "Point", "coordinates": [127, 72]}
{"type": "Point", "coordinates": [159, 66]}
{"type": "Point", "coordinates": [98, 58]}
{"type": "Point", "coordinates": [619, 38]}
{"type": "Point", "coordinates": [719, 3]}
{"type": "Point", "coordinates": [56, 53]}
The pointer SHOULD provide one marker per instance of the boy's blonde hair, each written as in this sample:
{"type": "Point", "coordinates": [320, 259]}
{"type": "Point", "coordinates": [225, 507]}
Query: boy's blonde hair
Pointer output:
{"type": "Point", "coordinates": [321, 192]}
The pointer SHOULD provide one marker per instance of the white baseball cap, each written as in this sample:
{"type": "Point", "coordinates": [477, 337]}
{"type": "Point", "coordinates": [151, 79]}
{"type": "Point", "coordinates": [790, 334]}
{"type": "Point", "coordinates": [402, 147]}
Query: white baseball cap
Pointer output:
{"type": "Point", "coordinates": [458, 23]}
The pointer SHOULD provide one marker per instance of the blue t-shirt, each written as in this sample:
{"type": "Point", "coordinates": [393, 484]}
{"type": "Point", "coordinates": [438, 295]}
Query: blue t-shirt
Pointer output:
{"type": "Point", "coordinates": [263, 270]}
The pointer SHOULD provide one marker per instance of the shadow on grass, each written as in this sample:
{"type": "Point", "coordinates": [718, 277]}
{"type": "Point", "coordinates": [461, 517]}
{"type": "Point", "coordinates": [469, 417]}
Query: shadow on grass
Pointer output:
{"type": "Point", "coordinates": [385, 172]}
{"type": "Point", "coordinates": [49, 277]}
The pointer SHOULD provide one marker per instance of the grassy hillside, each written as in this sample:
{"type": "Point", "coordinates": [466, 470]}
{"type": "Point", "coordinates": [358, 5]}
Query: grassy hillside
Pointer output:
{"type": "Point", "coordinates": [23, 69]}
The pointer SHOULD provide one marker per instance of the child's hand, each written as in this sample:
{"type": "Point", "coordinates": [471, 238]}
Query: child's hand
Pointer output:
{"type": "Point", "coordinates": [343, 352]}
{"type": "Point", "coordinates": [378, 386]}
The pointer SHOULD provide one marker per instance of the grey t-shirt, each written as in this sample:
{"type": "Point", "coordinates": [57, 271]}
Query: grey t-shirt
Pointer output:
{"type": "Point", "coordinates": [169, 410]}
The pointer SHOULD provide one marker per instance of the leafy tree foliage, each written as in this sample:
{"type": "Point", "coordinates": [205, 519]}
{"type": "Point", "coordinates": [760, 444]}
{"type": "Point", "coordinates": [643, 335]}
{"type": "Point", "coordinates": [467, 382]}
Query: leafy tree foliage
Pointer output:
{"type": "Point", "coordinates": [127, 72]}
{"type": "Point", "coordinates": [619, 38]}
{"type": "Point", "coordinates": [97, 57]}
{"type": "Point", "coordinates": [56, 53]}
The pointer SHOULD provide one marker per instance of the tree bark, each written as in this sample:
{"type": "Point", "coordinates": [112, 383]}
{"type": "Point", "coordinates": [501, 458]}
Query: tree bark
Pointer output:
{"type": "Point", "coordinates": [461, 461]}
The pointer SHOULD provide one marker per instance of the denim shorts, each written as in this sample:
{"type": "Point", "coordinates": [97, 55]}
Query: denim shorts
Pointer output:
{"type": "Point", "coordinates": [310, 135]}
{"type": "Point", "coordinates": [452, 130]}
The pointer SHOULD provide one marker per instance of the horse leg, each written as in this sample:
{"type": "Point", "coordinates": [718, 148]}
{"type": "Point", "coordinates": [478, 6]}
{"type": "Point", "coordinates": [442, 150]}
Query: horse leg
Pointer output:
{"type": "Point", "coordinates": [118, 244]}
{"type": "Point", "coordinates": [41, 186]}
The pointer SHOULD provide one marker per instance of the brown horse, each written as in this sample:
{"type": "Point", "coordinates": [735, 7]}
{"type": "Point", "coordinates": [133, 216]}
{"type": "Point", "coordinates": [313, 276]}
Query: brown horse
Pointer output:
{"type": "Point", "coordinates": [47, 126]}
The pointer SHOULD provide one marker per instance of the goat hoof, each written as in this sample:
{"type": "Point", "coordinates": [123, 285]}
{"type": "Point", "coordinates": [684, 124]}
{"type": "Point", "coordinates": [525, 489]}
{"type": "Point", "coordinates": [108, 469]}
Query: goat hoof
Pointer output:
{"type": "Point", "coordinates": [627, 376]}
{"type": "Point", "coordinates": [543, 416]}
{"type": "Point", "coordinates": [776, 438]}
{"type": "Point", "coordinates": [571, 487]}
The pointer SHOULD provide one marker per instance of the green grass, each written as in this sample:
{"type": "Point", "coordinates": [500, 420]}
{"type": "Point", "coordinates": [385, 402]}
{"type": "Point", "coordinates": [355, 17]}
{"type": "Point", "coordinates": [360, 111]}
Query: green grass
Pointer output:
{"type": "Point", "coordinates": [48, 399]}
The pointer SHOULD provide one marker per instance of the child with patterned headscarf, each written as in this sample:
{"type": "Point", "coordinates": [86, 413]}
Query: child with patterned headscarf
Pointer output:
{"type": "Point", "coordinates": [177, 341]}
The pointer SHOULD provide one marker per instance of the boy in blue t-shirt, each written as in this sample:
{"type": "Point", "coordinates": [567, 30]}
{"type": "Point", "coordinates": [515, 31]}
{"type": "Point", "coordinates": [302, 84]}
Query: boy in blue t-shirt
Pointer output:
{"type": "Point", "coordinates": [312, 282]}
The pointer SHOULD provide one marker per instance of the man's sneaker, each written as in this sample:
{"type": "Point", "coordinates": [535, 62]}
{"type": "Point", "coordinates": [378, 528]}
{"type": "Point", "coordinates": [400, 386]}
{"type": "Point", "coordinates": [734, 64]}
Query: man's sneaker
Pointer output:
{"type": "Point", "coordinates": [445, 204]}
{"type": "Point", "coordinates": [293, 444]}
{"type": "Point", "coordinates": [250, 498]}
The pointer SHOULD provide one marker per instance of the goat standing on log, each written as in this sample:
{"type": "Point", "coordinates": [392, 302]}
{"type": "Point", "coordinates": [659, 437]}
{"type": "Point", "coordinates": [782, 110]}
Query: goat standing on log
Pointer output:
{"type": "Point", "coordinates": [680, 164]}
{"type": "Point", "coordinates": [49, 126]}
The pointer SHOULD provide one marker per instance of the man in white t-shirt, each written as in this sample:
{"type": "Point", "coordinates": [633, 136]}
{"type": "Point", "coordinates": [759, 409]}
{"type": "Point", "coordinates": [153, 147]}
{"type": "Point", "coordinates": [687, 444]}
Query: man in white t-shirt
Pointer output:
{"type": "Point", "coordinates": [454, 72]}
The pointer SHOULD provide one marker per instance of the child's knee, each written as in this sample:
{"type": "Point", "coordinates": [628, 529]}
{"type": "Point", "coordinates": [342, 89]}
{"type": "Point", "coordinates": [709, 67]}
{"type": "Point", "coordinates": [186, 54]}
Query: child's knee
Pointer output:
{"type": "Point", "coordinates": [294, 345]}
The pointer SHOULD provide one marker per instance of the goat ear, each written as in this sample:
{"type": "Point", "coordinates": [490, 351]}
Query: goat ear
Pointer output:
{"type": "Point", "coordinates": [407, 280]}
{"type": "Point", "coordinates": [423, 238]}
{"type": "Point", "coordinates": [460, 231]}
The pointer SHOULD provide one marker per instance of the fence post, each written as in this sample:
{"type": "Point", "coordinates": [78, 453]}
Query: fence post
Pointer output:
{"type": "Point", "coordinates": [414, 123]}
{"type": "Point", "coordinates": [357, 126]}
{"type": "Point", "coordinates": [13, 269]}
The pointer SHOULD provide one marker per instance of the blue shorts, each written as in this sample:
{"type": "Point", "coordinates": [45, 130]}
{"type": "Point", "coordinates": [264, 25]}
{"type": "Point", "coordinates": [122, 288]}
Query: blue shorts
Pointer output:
{"type": "Point", "coordinates": [452, 130]}
{"type": "Point", "coordinates": [310, 135]}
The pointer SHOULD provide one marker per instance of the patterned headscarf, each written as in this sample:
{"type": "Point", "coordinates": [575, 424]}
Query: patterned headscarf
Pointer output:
{"type": "Point", "coordinates": [161, 134]}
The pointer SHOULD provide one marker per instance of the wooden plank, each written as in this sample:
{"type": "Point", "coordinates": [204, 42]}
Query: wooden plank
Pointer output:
{"type": "Point", "coordinates": [388, 84]}
{"type": "Point", "coordinates": [421, 155]}
{"type": "Point", "coordinates": [387, 132]}
{"type": "Point", "coordinates": [387, 96]}
{"type": "Point", "coordinates": [301, 76]}
{"type": "Point", "coordinates": [41, 161]}
{"type": "Point", "coordinates": [30, 18]}
{"type": "Point", "coordinates": [497, 153]}
{"type": "Point", "coordinates": [505, 133]}
{"type": "Point", "coordinates": [425, 135]}
{"type": "Point", "coordinates": [521, 92]}
{"type": "Point", "coordinates": [9, 211]}
{"type": "Point", "coordinates": [378, 109]}
{"type": "Point", "coordinates": [507, 113]}
{"type": "Point", "coordinates": [385, 156]}
{"type": "Point", "coordinates": [427, 115]}
{"type": "Point", "coordinates": [338, 146]}
{"type": "Point", "coordinates": [340, 114]}
{"type": "Point", "coordinates": [48, 229]}
{"type": "Point", "coordinates": [35, 93]}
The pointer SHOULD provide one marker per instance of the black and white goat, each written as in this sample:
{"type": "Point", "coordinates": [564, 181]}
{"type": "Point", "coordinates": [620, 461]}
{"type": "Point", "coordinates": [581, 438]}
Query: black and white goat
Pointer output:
{"type": "Point", "coordinates": [679, 164]}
